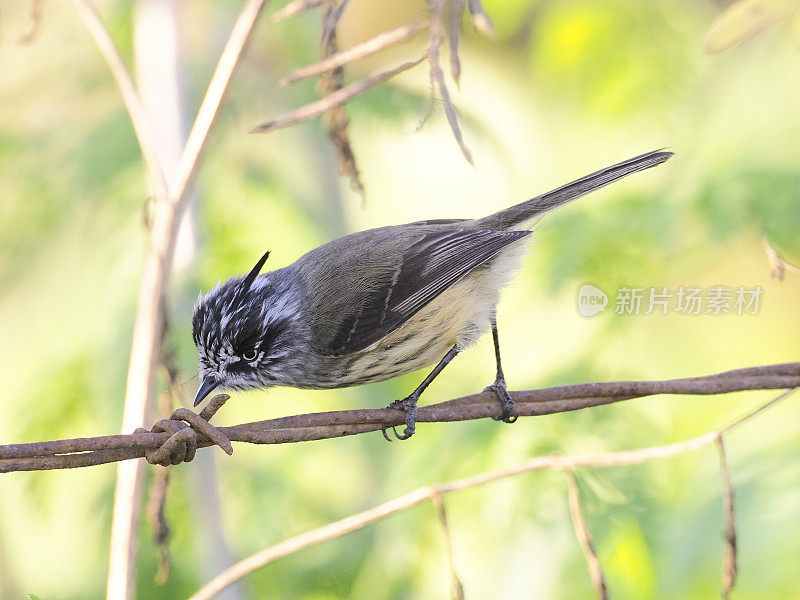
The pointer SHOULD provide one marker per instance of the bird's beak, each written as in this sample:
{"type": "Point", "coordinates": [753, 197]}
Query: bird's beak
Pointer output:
{"type": "Point", "coordinates": [209, 383]}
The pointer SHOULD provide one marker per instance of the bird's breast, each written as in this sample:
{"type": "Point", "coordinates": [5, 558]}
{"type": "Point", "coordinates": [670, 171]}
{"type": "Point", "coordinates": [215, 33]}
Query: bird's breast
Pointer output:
{"type": "Point", "coordinates": [458, 316]}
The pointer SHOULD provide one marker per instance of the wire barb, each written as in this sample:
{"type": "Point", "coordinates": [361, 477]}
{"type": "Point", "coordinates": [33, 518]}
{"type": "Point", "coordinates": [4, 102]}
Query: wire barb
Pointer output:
{"type": "Point", "coordinates": [183, 426]}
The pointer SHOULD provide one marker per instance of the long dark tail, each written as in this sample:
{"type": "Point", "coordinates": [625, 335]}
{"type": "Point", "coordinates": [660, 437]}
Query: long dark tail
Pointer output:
{"type": "Point", "coordinates": [536, 207]}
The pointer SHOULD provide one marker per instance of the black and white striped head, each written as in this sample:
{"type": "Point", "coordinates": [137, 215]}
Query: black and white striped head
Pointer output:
{"type": "Point", "coordinates": [243, 332]}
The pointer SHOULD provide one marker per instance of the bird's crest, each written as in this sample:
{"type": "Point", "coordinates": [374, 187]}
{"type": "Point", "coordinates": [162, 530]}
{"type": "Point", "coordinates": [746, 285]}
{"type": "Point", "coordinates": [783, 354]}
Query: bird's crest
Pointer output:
{"type": "Point", "coordinates": [251, 276]}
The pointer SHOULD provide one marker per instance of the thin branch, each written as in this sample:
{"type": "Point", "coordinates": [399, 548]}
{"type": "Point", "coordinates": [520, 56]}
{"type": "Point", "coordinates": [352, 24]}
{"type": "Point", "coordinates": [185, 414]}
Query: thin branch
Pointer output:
{"type": "Point", "coordinates": [139, 120]}
{"type": "Point", "coordinates": [311, 538]}
{"type": "Point", "coordinates": [585, 537]}
{"type": "Point", "coordinates": [778, 265]}
{"type": "Point", "coordinates": [364, 518]}
{"type": "Point", "coordinates": [437, 75]}
{"type": "Point", "coordinates": [480, 19]}
{"type": "Point", "coordinates": [456, 22]}
{"type": "Point", "coordinates": [295, 8]}
{"type": "Point", "coordinates": [158, 521]}
{"type": "Point", "coordinates": [729, 569]}
{"type": "Point", "coordinates": [82, 452]}
{"type": "Point", "coordinates": [357, 52]}
{"type": "Point", "coordinates": [334, 9]}
{"type": "Point", "coordinates": [159, 487]}
{"type": "Point", "coordinates": [36, 23]}
{"type": "Point", "coordinates": [212, 101]}
{"type": "Point", "coordinates": [456, 586]}
{"type": "Point", "coordinates": [336, 120]}
{"type": "Point", "coordinates": [338, 98]}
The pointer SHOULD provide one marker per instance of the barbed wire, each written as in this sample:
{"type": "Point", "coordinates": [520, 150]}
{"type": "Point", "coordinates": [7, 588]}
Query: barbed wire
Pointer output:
{"type": "Point", "coordinates": [175, 440]}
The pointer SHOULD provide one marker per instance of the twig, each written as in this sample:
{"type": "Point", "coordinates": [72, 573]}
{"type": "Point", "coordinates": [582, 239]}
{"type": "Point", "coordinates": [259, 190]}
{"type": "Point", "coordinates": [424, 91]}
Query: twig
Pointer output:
{"type": "Point", "coordinates": [36, 23]}
{"type": "Point", "coordinates": [158, 521]}
{"type": "Point", "coordinates": [141, 125]}
{"type": "Point", "coordinates": [357, 52]}
{"type": "Point", "coordinates": [480, 19]}
{"type": "Point", "coordinates": [456, 22]}
{"type": "Point", "coordinates": [330, 82]}
{"type": "Point", "coordinates": [585, 537]}
{"type": "Point", "coordinates": [456, 587]}
{"type": "Point", "coordinates": [315, 109]}
{"type": "Point", "coordinates": [295, 8]}
{"type": "Point", "coordinates": [311, 538]}
{"type": "Point", "coordinates": [437, 76]}
{"type": "Point", "coordinates": [364, 518]}
{"type": "Point", "coordinates": [330, 21]}
{"type": "Point", "coordinates": [212, 101]}
{"type": "Point", "coordinates": [729, 565]}
{"type": "Point", "coordinates": [80, 452]}
{"type": "Point", "coordinates": [778, 265]}
{"type": "Point", "coordinates": [157, 501]}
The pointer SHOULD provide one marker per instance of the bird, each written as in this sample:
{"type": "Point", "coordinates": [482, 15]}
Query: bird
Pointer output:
{"type": "Point", "coordinates": [377, 304]}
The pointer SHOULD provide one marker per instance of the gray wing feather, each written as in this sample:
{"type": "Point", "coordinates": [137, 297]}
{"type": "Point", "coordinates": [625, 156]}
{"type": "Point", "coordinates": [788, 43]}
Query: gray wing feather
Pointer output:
{"type": "Point", "coordinates": [394, 273]}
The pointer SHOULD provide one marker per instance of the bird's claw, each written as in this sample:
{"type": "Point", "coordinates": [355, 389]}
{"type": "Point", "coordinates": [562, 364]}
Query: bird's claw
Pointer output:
{"type": "Point", "coordinates": [409, 406]}
{"type": "Point", "coordinates": [507, 404]}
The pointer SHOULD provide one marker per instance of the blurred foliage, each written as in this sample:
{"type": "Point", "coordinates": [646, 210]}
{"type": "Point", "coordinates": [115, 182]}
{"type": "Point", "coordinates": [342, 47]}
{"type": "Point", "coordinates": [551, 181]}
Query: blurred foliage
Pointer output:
{"type": "Point", "coordinates": [564, 89]}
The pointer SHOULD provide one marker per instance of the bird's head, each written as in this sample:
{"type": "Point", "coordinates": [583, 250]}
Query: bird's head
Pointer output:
{"type": "Point", "coordinates": [241, 332]}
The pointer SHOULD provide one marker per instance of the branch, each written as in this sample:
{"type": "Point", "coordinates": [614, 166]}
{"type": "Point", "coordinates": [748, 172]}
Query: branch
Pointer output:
{"type": "Point", "coordinates": [437, 76]}
{"type": "Point", "coordinates": [295, 8]}
{"type": "Point", "coordinates": [453, 33]}
{"type": "Point", "coordinates": [81, 452]}
{"type": "Point", "coordinates": [139, 120]}
{"type": "Point", "coordinates": [480, 20]}
{"type": "Point", "coordinates": [585, 537]}
{"type": "Point", "coordinates": [357, 52]}
{"type": "Point", "coordinates": [337, 98]}
{"type": "Point", "coordinates": [336, 120]}
{"type": "Point", "coordinates": [36, 23]}
{"type": "Point", "coordinates": [778, 265]}
{"type": "Point", "coordinates": [217, 88]}
{"type": "Point", "coordinates": [729, 566]}
{"type": "Point", "coordinates": [456, 586]}
{"type": "Point", "coordinates": [335, 95]}
{"type": "Point", "coordinates": [429, 493]}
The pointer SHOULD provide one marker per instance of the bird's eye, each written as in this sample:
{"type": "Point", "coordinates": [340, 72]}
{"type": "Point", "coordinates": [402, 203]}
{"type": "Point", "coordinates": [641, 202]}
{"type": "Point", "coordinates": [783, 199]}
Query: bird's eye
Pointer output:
{"type": "Point", "coordinates": [249, 354]}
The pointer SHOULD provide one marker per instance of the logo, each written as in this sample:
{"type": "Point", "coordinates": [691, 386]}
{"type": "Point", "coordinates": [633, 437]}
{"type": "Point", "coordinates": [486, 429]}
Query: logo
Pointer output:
{"type": "Point", "coordinates": [591, 300]}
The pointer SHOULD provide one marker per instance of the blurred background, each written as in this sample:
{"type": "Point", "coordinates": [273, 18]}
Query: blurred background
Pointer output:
{"type": "Point", "coordinates": [564, 88]}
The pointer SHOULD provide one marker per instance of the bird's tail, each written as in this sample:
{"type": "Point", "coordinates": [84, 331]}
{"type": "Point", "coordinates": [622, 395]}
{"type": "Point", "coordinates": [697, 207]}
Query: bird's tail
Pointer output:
{"type": "Point", "coordinates": [538, 206]}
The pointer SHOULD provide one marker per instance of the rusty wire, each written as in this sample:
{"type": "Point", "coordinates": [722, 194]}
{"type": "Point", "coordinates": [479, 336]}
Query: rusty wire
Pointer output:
{"type": "Point", "coordinates": [180, 436]}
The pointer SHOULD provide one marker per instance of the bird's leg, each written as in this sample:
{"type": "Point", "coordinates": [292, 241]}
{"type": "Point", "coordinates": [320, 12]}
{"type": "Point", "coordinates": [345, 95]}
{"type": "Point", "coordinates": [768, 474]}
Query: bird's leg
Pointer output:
{"type": "Point", "coordinates": [409, 404]}
{"type": "Point", "coordinates": [499, 385]}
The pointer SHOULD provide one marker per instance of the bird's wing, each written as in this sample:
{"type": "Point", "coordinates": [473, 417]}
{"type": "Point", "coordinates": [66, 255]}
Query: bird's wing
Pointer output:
{"type": "Point", "coordinates": [387, 287]}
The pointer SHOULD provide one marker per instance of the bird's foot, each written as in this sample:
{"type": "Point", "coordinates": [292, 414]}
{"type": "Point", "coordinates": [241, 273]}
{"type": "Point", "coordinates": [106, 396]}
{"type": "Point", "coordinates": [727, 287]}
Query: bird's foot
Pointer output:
{"type": "Point", "coordinates": [409, 406]}
{"type": "Point", "coordinates": [499, 389]}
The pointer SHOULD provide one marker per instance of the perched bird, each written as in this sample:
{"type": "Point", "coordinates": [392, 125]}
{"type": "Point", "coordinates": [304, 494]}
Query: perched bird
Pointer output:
{"type": "Point", "coordinates": [376, 304]}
